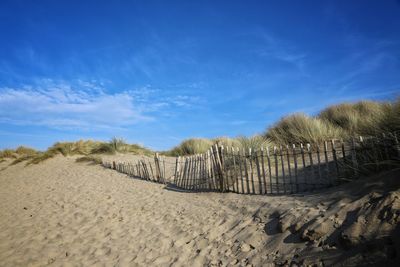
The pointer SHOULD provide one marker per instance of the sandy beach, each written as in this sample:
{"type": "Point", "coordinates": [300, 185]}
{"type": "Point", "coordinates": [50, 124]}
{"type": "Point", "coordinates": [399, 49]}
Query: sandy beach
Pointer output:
{"type": "Point", "coordinates": [63, 213]}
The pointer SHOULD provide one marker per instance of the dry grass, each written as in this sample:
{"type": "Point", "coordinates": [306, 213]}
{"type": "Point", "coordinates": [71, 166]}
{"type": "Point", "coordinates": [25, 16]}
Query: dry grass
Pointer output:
{"type": "Point", "coordinates": [200, 145]}
{"type": "Point", "coordinates": [191, 147]}
{"type": "Point", "coordinates": [254, 142]}
{"type": "Point", "coordinates": [89, 147]}
{"type": "Point", "coordinates": [390, 119]}
{"type": "Point", "coordinates": [43, 156]}
{"type": "Point", "coordinates": [226, 141]}
{"type": "Point", "coordinates": [23, 158]}
{"type": "Point", "coordinates": [361, 118]}
{"type": "Point", "coordinates": [8, 153]}
{"type": "Point", "coordinates": [91, 159]}
{"type": "Point", "coordinates": [300, 128]}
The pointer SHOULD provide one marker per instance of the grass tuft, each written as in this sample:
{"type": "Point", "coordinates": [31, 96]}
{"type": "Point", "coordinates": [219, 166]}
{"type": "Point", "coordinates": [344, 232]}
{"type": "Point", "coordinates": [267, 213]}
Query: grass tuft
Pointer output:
{"type": "Point", "coordinates": [191, 147]}
{"type": "Point", "coordinates": [300, 128]}
{"type": "Point", "coordinates": [92, 159]}
{"type": "Point", "coordinates": [254, 142]}
{"type": "Point", "coordinates": [361, 118]}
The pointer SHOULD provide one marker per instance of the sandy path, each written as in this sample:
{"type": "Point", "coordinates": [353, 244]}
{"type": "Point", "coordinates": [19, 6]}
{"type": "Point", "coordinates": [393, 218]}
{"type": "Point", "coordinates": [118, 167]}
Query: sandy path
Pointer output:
{"type": "Point", "coordinates": [63, 213]}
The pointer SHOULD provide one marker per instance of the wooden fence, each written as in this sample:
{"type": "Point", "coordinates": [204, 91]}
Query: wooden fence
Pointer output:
{"type": "Point", "coordinates": [144, 168]}
{"type": "Point", "coordinates": [277, 170]}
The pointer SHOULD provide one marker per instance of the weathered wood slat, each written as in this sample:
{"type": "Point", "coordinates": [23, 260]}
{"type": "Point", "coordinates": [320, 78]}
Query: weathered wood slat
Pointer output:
{"type": "Point", "coordinates": [283, 170]}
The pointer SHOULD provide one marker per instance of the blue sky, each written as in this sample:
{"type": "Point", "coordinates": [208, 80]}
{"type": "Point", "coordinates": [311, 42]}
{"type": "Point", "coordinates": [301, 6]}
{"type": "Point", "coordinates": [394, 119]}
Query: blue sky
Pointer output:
{"type": "Point", "coordinates": [157, 72]}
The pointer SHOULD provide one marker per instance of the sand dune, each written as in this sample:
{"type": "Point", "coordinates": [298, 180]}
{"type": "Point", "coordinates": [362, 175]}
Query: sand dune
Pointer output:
{"type": "Point", "coordinates": [62, 213]}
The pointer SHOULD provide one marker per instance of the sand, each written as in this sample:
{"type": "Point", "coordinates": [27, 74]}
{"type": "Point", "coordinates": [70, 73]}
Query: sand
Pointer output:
{"type": "Point", "coordinates": [62, 213]}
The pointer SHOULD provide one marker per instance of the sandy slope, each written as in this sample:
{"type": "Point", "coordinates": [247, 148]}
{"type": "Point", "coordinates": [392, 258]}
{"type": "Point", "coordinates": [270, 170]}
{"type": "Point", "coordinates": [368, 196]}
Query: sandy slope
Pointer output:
{"type": "Point", "coordinates": [64, 213]}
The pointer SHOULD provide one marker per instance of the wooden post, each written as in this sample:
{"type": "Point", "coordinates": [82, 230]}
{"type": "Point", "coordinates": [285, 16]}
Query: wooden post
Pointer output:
{"type": "Point", "coordinates": [289, 168]}
{"type": "Point", "coordinates": [156, 166]}
{"type": "Point", "coordinates": [212, 168]}
{"type": "Point", "coordinates": [219, 169]}
{"type": "Point", "coordinates": [225, 175]}
{"type": "Point", "coordinates": [263, 170]}
{"type": "Point", "coordinates": [184, 173]}
{"type": "Point", "coordinates": [176, 172]}
{"type": "Point", "coordinates": [164, 176]}
{"type": "Point", "coordinates": [295, 168]}
{"type": "Point", "coordinates": [246, 172]}
{"type": "Point", "coordinates": [283, 169]}
{"type": "Point", "coordinates": [397, 144]}
{"type": "Point", "coordinates": [234, 173]}
{"type": "Point", "coordinates": [328, 174]}
{"type": "Point", "coordinates": [152, 174]}
{"type": "Point", "coordinates": [354, 157]}
{"type": "Point", "coordinates": [209, 171]}
{"type": "Point", "coordinates": [258, 171]}
{"type": "Point", "coordinates": [194, 169]}
{"type": "Point", "coordinates": [114, 166]}
{"type": "Point", "coordinates": [335, 158]}
{"type": "Point", "coordinates": [311, 166]}
{"type": "Point", "coordinates": [269, 171]}
{"type": "Point", "coordinates": [251, 171]}
{"type": "Point", "coordinates": [198, 164]}
{"type": "Point", "coordinates": [343, 152]}
{"type": "Point", "coordinates": [304, 167]}
{"type": "Point", "coordinates": [241, 170]}
{"type": "Point", "coordinates": [319, 166]}
{"type": "Point", "coordinates": [276, 169]}
{"type": "Point", "coordinates": [190, 178]}
{"type": "Point", "coordinates": [203, 172]}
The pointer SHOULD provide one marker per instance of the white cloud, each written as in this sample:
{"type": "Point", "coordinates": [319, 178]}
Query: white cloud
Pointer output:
{"type": "Point", "coordinates": [80, 104]}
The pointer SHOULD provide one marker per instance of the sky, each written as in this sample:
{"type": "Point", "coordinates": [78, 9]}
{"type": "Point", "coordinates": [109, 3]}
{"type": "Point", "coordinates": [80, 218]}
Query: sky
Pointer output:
{"type": "Point", "coordinates": [158, 72]}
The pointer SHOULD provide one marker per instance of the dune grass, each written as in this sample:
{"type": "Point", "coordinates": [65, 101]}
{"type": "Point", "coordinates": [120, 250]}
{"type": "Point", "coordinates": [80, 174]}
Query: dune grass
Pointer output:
{"type": "Point", "coordinates": [190, 147]}
{"type": "Point", "coordinates": [8, 153]}
{"type": "Point", "coordinates": [91, 159]}
{"type": "Point", "coordinates": [334, 122]}
{"type": "Point", "coordinates": [367, 118]}
{"type": "Point", "coordinates": [254, 142]}
{"type": "Point", "coordinates": [361, 118]}
{"type": "Point", "coordinates": [20, 154]}
{"type": "Point", "coordinates": [301, 128]}
{"type": "Point", "coordinates": [81, 147]}
{"type": "Point", "coordinates": [200, 145]}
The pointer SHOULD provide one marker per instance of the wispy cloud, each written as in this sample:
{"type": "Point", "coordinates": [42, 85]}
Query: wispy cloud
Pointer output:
{"type": "Point", "coordinates": [270, 46]}
{"type": "Point", "coordinates": [82, 105]}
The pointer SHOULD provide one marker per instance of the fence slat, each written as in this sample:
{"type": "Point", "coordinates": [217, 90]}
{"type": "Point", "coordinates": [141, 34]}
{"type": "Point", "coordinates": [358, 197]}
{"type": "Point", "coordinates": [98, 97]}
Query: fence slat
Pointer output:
{"type": "Point", "coordinates": [251, 171]}
{"type": "Point", "coordinates": [263, 170]}
{"type": "Point", "coordinates": [289, 168]}
{"type": "Point", "coordinates": [295, 167]}
{"type": "Point", "coordinates": [283, 169]}
{"type": "Point", "coordinates": [276, 169]}
{"type": "Point", "coordinates": [335, 159]}
{"type": "Point", "coordinates": [319, 167]}
{"type": "Point", "coordinates": [258, 171]}
{"type": "Point", "coordinates": [311, 166]}
{"type": "Point", "coordinates": [305, 180]}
